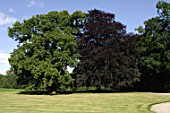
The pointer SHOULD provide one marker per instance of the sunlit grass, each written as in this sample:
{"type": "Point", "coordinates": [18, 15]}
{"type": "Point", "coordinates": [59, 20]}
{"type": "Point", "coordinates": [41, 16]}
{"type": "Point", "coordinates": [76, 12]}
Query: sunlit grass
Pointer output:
{"type": "Point", "coordinates": [11, 102]}
{"type": "Point", "coordinates": [9, 90]}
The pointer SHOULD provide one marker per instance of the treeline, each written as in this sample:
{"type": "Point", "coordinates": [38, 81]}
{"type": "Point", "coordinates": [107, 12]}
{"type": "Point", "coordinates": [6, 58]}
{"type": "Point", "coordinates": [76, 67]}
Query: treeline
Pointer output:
{"type": "Point", "coordinates": [8, 81]}
{"type": "Point", "coordinates": [102, 53]}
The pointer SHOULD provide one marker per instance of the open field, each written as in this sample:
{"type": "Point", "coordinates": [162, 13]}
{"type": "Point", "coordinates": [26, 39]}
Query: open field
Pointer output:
{"type": "Point", "coordinates": [11, 102]}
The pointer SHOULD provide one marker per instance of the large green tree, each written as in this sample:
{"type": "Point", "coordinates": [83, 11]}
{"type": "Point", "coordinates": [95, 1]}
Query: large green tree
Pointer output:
{"type": "Point", "coordinates": [155, 50]}
{"type": "Point", "coordinates": [46, 47]}
{"type": "Point", "coordinates": [109, 56]}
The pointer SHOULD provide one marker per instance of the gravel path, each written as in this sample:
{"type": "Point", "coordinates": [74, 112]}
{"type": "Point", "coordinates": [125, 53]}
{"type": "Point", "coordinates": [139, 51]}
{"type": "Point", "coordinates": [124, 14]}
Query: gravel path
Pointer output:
{"type": "Point", "coordinates": [163, 107]}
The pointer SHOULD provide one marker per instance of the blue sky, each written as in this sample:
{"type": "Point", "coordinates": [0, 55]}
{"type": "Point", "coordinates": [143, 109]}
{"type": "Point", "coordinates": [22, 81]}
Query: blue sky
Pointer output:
{"type": "Point", "coordinates": [132, 13]}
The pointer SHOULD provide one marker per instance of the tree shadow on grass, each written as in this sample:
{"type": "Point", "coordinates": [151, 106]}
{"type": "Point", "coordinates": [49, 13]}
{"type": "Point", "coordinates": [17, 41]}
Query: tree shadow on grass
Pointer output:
{"type": "Point", "coordinates": [63, 92]}
{"type": "Point", "coordinates": [44, 93]}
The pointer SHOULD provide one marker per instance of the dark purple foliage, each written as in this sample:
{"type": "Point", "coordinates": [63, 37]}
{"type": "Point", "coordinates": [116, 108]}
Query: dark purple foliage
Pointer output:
{"type": "Point", "coordinates": [109, 57]}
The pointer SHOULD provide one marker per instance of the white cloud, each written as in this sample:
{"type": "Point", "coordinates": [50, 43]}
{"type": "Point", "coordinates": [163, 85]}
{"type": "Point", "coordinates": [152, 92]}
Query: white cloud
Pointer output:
{"type": "Point", "coordinates": [4, 64]}
{"type": "Point", "coordinates": [31, 3]}
{"type": "Point", "coordinates": [11, 10]}
{"type": "Point", "coordinates": [5, 19]}
{"type": "Point", "coordinates": [35, 3]}
{"type": "Point", "coordinates": [4, 58]}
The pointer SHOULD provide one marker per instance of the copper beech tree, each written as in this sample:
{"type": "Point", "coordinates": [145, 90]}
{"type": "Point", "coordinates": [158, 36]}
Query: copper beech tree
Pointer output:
{"type": "Point", "coordinates": [108, 55]}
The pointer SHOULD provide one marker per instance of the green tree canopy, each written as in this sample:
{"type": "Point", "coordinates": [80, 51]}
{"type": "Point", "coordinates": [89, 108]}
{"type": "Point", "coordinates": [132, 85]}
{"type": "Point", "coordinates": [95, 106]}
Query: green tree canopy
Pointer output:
{"type": "Point", "coordinates": [46, 47]}
{"type": "Point", "coordinates": [8, 81]}
{"type": "Point", "coordinates": [155, 50]}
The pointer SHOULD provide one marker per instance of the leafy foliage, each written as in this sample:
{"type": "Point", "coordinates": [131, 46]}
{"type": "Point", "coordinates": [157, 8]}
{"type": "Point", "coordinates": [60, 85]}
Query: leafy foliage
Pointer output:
{"type": "Point", "coordinates": [155, 50]}
{"type": "Point", "coordinates": [105, 57]}
{"type": "Point", "coordinates": [109, 56]}
{"type": "Point", "coordinates": [46, 47]}
{"type": "Point", "coordinates": [8, 81]}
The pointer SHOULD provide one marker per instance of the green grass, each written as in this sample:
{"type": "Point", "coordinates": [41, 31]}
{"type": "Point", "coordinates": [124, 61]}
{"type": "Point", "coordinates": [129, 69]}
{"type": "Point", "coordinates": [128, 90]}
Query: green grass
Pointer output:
{"type": "Point", "coordinates": [9, 90]}
{"type": "Point", "coordinates": [11, 102]}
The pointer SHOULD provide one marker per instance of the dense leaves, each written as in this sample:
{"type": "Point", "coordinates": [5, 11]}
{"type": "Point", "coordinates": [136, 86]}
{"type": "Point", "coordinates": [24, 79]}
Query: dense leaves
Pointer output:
{"type": "Point", "coordinates": [155, 50]}
{"type": "Point", "coordinates": [102, 54]}
{"type": "Point", "coordinates": [46, 47]}
{"type": "Point", "coordinates": [109, 57]}
{"type": "Point", "coordinates": [8, 81]}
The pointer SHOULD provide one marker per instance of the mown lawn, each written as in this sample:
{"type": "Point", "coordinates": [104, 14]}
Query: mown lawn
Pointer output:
{"type": "Point", "coordinates": [11, 102]}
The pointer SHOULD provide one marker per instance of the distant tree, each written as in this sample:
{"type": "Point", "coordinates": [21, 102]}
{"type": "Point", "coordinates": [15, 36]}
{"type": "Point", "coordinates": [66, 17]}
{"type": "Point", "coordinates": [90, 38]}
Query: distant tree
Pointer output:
{"type": "Point", "coordinates": [8, 81]}
{"type": "Point", "coordinates": [1, 81]}
{"type": "Point", "coordinates": [46, 47]}
{"type": "Point", "coordinates": [10, 71]}
{"type": "Point", "coordinates": [108, 56]}
{"type": "Point", "coordinates": [155, 50]}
